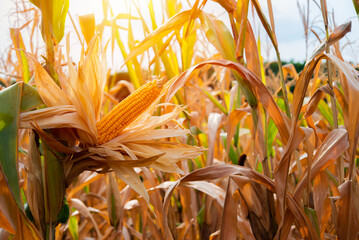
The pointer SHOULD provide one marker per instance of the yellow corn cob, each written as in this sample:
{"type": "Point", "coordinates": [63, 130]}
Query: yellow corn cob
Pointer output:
{"type": "Point", "coordinates": [128, 110]}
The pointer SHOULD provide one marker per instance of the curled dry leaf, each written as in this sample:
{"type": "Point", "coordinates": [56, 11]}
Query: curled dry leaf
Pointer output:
{"type": "Point", "coordinates": [81, 207]}
{"type": "Point", "coordinates": [290, 70]}
{"type": "Point", "coordinates": [214, 121]}
{"type": "Point", "coordinates": [338, 33]}
{"type": "Point", "coordinates": [208, 188]}
{"type": "Point", "coordinates": [315, 99]}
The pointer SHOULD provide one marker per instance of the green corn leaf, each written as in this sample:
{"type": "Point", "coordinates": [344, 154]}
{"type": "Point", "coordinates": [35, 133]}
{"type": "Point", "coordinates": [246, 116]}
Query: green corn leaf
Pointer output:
{"type": "Point", "coordinates": [219, 35]}
{"type": "Point", "coordinates": [326, 111]}
{"type": "Point", "coordinates": [213, 100]}
{"type": "Point", "coordinates": [272, 133]}
{"type": "Point", "coordinates": [10, 99]}
{"type": "Point", "coordinates": [30, 98]}
{"type": "Point", "coordinates": [74, 227]}
{"type": "Point", "coordinates": [53, 17]}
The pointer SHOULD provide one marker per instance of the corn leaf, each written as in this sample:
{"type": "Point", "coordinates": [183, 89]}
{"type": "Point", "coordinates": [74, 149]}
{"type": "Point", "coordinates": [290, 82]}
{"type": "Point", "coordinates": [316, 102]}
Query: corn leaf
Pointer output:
{"type": "Point", "coordinates": [212, 99]}
{"type": "Point", "coordinates": [81, 207]}
{"type": "Point", "coordinates": [30, 98]}
{"type": "Point", "coordinates": [113, 200]}
{"type": "Point", "coordinates": [74, 227]}
{"type": "Point", "coordinates": [240, 15]}
{"type": "Point", "coordinates": [229, 215]}
{"type": "Point", "coordinates": [173, 24]}
{"type": "Point", "coordinates": [10, 99]}
{"type": "Point", "coordinates": [214, 121]}
{"type": "Point", "coordinates": [265, 23]}
{"type": "Point", "coordinates": [315, 99]}
{"type": "Point", "coordinates": [252, 56]}
{"type": "Point", "coordinates": [219, 35]}
{"type": "Point", "coordinates": [129, 176]}
{"type": "Point", "coordinates": [338, 33]}
{"type": "Point", "coordinates": [4, 223]}
{"type": "Point", "coordinates": [53, 17]}
{"type": "Point", "coordinates": [356, 6]}
{"type": "Point", "coordinates": [229, 5]}
{"type": "Point", "coordinates": [187, 47]}
{"type": "Point", "coordinates": [234, 118]}
{"type": "Point", "coordinates": [20, 224]}
{"type": "Point", "coordinates": [20, 48]}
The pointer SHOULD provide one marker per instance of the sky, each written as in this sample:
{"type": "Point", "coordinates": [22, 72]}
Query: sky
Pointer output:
{"type": "Point", "coordinates": [290, 31]}
{"type": "Point", "coordinates": [288, 25]}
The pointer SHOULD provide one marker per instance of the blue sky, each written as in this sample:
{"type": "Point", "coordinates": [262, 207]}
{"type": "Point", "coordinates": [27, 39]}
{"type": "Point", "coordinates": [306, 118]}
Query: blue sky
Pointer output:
{"type": "Point", "coordinates": [289, 29]}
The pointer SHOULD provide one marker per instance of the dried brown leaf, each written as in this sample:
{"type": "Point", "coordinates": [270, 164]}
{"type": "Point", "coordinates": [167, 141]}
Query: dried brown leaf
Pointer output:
{"type": "Point", "coordinates": [348, 214]}
{"type": "Point", "coordinates": [4, 223]}
{"type": "Point", "coordinates": [208, 188]}
{"type": "Point", "coordinates": [320, 194]}
{"type": "Point", "coordinates": [234, 118]}
{"type": "Point", "coordinates": [241, 14]}
{"type": "Point", "coordinates": [52, 142]}
{"type": "Point", "coordinates": [338, 33]}
{"type": "Point", "coordinates": [252, 56]}
{"type": "Point", "coordinates": [289, 69]}
{"type": "Point", "coordinates": [19, 223]}
{"type": "Point", "coordinates": [229, 215]}
{"type": "Point", "coordinates": [315, 99]}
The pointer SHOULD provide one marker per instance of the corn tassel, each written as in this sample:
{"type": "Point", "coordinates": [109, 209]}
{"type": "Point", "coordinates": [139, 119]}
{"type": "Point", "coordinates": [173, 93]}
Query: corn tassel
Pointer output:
{"type": "Point", "coordinates": [128, 110]}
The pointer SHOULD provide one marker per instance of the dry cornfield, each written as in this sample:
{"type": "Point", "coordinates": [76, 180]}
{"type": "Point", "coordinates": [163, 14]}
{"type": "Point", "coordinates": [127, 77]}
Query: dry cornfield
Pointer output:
{"type": "Point", "coordinates": [196, 138]}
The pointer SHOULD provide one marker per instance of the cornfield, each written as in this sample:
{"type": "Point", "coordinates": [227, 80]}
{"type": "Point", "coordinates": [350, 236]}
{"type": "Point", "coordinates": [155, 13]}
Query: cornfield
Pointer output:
{"type": "Point", "coordinates": [194, 138]}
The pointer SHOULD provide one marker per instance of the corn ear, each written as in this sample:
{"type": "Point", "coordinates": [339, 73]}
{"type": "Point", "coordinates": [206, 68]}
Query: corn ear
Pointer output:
{"type": "Point", "coordinates": [128, 110]}
{"type": "Point", "coordinates": [53, 183]}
